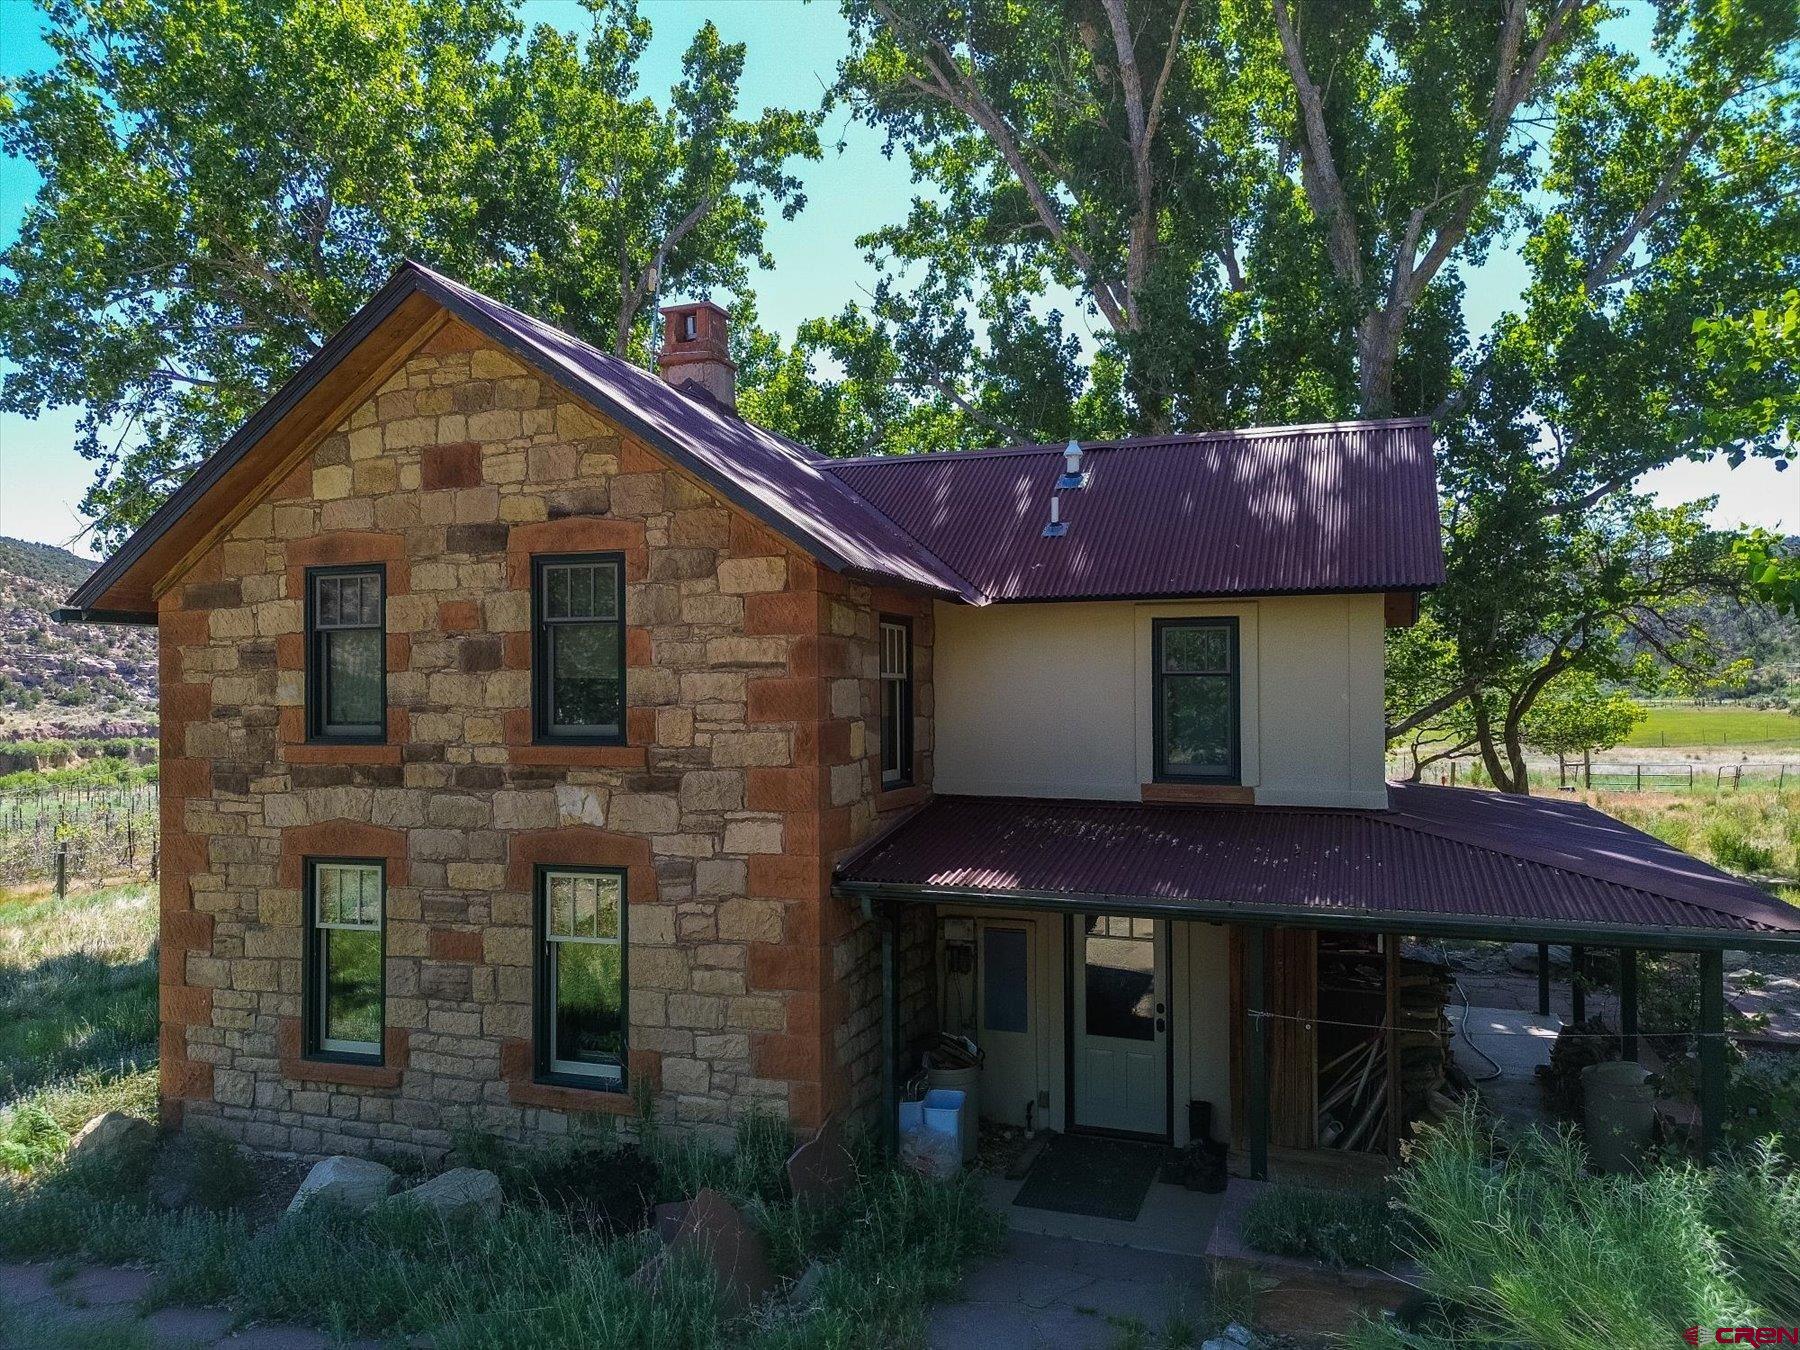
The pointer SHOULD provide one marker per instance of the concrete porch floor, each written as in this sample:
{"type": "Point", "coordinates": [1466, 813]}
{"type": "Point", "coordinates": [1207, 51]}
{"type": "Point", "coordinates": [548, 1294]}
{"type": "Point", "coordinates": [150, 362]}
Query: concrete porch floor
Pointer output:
{"type": "Point", "coordinates": [1518, 1042]}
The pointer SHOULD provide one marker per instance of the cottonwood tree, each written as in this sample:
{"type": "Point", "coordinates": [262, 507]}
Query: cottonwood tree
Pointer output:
{"type": "Point", "coordinates": [223, 185]}
{"type": "Point", "coordinates": [1576, 715]}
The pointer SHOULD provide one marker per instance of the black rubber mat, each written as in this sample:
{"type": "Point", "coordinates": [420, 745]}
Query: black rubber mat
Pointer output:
{"type": "Point", "coordinates": [1099, 1178]}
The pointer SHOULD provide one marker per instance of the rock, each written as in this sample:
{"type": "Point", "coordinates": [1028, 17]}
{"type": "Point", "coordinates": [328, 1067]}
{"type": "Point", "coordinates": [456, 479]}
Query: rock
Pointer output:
{"type": "Point", "coordinates": [1522, 957]}
{"type": "Point", "coordinates": [459, 1193]}
{"type": "Point", "coordinates": [667, 1220]}
{"type": "Point", "coordinates": [806, 1289]}
{"type": "Point", "coordinates": [736, 1251]}
{"type": "Point", "coordinates": [354, 1184]}
{"type": "Point", "coordinates": [821, 1169]}
{"type": "Point", "coordinates": [110, 1139]}
{"type": "Point", "coordinates": [1239, 1334]}
{"type": "Point", "coordinates": [1220, 1343]}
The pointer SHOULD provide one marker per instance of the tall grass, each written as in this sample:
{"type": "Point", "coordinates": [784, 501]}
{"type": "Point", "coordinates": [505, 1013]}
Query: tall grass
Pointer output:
{"type": "Point", "coordinates": [1524, 1247]}
{"type": "Point", "coordinates": [529, 1277]}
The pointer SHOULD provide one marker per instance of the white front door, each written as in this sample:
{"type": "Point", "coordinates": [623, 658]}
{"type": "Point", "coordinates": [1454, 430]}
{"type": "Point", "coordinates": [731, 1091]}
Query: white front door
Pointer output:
{"type": "Point", "coordinates": [1121, 1023]}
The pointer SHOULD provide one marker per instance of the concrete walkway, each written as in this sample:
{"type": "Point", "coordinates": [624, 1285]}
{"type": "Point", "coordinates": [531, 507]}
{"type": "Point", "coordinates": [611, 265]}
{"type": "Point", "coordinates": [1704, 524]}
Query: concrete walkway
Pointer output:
{"type": "Point", "coordinates": [1044, 1292]}
{"type": "Point", "coordinates": [43, 1305]}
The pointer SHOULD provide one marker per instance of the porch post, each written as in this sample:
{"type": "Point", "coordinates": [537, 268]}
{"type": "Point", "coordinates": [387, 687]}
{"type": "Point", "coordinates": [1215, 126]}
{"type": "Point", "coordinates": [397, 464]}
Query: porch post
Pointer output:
{"type": "Point", "coordinates": [1628, 1002]}
{"type": "Point", "coordinates": [1543, 979]}
{"type": "Point", "coordinates": [890, 1018]}
{"type": "Point", "coordinates": [1256, 1066]}
{"type": "Point", "coordinates": [1577, 994]}
{"type": "Point", "coordinates": [1712, 1052]}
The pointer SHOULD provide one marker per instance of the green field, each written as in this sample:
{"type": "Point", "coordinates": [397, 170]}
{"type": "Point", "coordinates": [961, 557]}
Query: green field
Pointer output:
{"type": "Point", "coordinates": [1676, 724]}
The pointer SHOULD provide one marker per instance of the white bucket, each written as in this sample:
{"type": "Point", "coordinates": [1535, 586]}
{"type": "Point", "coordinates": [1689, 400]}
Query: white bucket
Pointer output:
{"type": "Point", "coordinates": [968, 1082]}
{"type": "Point", "coordinates": [943, 1111]}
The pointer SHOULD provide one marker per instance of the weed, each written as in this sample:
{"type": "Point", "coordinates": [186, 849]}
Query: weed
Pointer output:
{"type": "Point", "coordinates": [1341, 1228]}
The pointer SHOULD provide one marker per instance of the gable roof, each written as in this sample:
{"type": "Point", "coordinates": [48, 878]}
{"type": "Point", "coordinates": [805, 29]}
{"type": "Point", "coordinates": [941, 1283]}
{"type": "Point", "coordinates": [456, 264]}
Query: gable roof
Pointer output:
{"type": "Point", "coordinates": [1339, 507]}
{"type": "Point", "coordinates": [1346, 506]}
{"type": "Point", "coordinates": [775, 480]}
{"type": "Point", "coordinates": [1439, 859]}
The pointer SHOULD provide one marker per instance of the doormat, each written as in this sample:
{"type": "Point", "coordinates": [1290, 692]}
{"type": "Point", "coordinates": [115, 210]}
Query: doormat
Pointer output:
{"type": "Point", "coordinates": [1099, 1178]}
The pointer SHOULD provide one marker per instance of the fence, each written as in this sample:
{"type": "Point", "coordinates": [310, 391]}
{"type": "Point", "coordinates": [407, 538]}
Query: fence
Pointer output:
{"type": "Point", "coordinates": [89, 832]}
{"type": "Point", "coordinates": [1783, 777]}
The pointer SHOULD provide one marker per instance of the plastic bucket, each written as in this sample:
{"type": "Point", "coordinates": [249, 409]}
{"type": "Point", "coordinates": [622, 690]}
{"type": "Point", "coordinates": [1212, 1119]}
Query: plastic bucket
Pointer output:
{"type": "Point", "coordinates": [912, 1116]}
{"type": "Point", "coordinates": [944, 1110]}
{"type": "Point", "coordinates": [968, 1082]}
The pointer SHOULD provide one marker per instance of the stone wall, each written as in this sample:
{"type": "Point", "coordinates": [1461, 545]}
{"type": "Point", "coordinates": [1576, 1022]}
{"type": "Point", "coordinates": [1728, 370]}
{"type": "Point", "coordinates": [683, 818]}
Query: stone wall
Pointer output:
{"type": "Point", "coordinates": [749, 766]}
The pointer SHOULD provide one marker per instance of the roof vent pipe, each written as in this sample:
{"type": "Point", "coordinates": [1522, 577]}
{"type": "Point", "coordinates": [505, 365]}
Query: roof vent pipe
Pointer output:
{"type": "Point", "coordinates": [1057, 527]}
{"type": "Point", "coordinates": [1072, 476]}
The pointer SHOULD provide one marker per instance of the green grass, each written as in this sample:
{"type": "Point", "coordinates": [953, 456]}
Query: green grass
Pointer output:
{"type": "Point", "coordinates": [77, 986]}
{"type": "Point", "coordinates": [1754, 833]}
{"type": "Point", "coordinates": [1676, 725]}
{"type": "Point", "coordinates": [1523, 1246]}
{"type": "Point", "coordinates": [1340, 1228]}
{"type": "Point", "coordinates": [528, 1277]}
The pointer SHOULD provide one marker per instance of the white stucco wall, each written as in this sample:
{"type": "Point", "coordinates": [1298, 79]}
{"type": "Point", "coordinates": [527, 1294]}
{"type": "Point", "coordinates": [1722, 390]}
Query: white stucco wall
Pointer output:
{"type": "Point", "coordinates": [1053, 700]}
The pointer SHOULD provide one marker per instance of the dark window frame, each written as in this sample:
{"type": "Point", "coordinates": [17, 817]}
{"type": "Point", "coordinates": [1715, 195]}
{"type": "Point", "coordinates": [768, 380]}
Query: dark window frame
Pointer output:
{"type": "Point", "coordinates": [908, 686]}
{"type": "Point", "coordinates": [541, 981]}
{"type": "Point", "coordinates": [312, 1021]}
{"type": "Point", "coordinates": [1234, 773]}
{"type": "Point", "coordinates": [317, 732]}
{"type": "Point", "coordinates": [542, 733]}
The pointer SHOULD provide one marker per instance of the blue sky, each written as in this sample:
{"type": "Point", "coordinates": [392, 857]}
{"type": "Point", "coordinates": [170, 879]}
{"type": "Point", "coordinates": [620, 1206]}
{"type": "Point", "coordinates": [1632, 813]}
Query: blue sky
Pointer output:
{"type": "Point", "coordinates": [793, 51]}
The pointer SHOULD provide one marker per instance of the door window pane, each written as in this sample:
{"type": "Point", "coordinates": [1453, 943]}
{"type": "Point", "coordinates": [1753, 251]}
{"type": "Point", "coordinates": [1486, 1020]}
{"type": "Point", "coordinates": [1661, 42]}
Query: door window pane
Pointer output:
{"type": "Point", "coordinates": [1005, 979]}
{"type": "Point", "coordinates": [1120, 982]}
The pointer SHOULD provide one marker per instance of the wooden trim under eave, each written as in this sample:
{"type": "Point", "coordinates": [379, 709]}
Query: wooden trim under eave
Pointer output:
{"type": "Point", "coordinates": [1399, 609]}
{"type": "Point", "coordinates": [346, 398]}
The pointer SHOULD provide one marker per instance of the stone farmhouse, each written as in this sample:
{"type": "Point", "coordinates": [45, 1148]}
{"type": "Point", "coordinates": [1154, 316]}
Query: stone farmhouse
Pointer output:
{"type": "Point", "coordinates": [543, 741]}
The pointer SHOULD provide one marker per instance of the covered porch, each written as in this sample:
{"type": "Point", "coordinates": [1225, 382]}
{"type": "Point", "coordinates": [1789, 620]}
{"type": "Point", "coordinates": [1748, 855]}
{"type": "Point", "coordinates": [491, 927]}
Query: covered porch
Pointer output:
{"type": "Point", "coordinates": [1259, 976]}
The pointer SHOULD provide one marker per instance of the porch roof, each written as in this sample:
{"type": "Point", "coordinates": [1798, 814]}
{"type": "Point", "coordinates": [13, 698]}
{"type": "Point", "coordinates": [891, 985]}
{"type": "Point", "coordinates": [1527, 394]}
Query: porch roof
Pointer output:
{"type": "Point", "coordinates": [1449, 861]}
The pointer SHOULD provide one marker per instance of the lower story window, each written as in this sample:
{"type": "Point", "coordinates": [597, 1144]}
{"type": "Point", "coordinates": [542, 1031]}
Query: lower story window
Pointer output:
{"type": "Point", "coordinates": [581, 982]}
{"type": "Point", "coordinates": [344, 967]}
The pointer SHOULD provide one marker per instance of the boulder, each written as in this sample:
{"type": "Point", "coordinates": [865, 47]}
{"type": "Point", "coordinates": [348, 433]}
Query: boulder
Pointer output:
{"type": "Point", "coordinates": [111, 1139]}
{"type": "Point", "coordinates": [711, 1226]}
{"type": "Point", "coordinates": [459, 1193]}
{"type": "Point", "coordinates": [353, 1184]}
{"type": "Point", "coordinates": [1523, 957]}
{"type": "Point", "coordinates": [821, 1169]}
{"type": "Point", "coordinates": [805, 1292]}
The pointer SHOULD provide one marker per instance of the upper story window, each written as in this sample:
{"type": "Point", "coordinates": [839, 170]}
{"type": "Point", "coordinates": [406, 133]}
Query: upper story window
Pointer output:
{"type": "Point", "coordinates": [1196, 699]}
{"type": "Point", "coordinates": [578, 613]}
{"type": "Point", "coordinates": [346, 660]}
{"type": "Point", "coordinates": [344, 984]}
{"type": "Point", "coordinates": [896, 703]}
{"type": "Point", "coordinates": [581, 975]}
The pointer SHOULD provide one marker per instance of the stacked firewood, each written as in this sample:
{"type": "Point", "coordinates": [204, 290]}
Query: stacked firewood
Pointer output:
{"type": "Point", "coordinates": [1353, 1086]}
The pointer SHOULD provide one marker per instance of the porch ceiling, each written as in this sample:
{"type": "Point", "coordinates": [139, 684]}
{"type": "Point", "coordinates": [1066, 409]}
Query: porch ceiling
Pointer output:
{"type": "Point", "coordinates": [1449, 861]}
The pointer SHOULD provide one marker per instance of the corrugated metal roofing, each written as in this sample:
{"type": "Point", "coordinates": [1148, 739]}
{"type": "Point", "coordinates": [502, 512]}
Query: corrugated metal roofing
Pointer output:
{"type": "Point", "coordinates": [1337, 507]}
{"type": "Point", "coordinates": [1448, 854]}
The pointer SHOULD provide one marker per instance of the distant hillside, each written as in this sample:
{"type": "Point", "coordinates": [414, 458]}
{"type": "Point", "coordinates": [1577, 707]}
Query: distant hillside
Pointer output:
{"type": "Point", "coordinates": [66, 679]}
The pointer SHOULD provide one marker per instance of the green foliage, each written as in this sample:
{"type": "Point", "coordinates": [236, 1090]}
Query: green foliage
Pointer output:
{"type": "Point", "coordinates": [1771, 564]}
{"type": "Point", "coordinates": [1341, 1228]}
{"type": "Point", "coordinates": [1729, 848]}
{"type": "Point", "coordinates": [1524, 1247]}
{"type": "Point", "coordinates": [1574, 715]}
{"type": "Point", "coordinates": [223, 185]}
{"type": "Point", "coordinates": [30, 1138]}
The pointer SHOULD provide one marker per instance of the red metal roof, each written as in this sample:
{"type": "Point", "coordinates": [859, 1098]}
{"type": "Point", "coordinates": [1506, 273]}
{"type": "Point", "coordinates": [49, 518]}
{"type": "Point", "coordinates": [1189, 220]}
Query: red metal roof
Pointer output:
{"type": "Point", "coordinates": [1338, 507]}
{"type": "Point", "coordinates": [1442, 856]}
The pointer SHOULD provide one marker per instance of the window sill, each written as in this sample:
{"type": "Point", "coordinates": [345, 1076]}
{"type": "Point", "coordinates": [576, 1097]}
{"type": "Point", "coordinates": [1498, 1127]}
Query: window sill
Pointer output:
{"type": "Point", "coordinates": [297, 1068]}
{"type": "Point", "coordinates": [899, 798]}
{"type": "Point", "coordinates": [1225, 794]}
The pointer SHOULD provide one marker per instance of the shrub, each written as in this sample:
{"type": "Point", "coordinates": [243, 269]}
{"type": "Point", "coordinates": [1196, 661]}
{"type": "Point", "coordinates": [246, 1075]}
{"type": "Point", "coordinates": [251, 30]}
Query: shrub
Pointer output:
{"type": "Point", "coordinates": [1730, 848]}
{"type": "Point", "coordinates": [1520, 1245]}
{"type": "Point", "coordinates": [1341, 1228]}
{"type": "Point", "coordinates": [30, 1139]}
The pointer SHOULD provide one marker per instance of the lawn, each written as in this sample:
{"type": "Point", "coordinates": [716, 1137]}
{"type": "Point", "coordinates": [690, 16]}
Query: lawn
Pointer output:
{"type": "Point", "coordinates": [77, 986]}
{"type": "Point", "coordinates": [1675, 725]}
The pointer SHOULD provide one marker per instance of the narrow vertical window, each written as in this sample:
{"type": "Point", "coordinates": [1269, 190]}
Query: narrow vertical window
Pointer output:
{"type": "Point", "coordinates": [345, 988]}
{"type": "Point", "coordinates": [346, 664]}
{"type": "Point", "coordinates": [1196, 699]}
{"type": "Point", "coordinates": [579, 685]}
{"type": "Point", "coordinates": [896, 703]}
{"type": "Point", "coordinates": [581, 979]}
